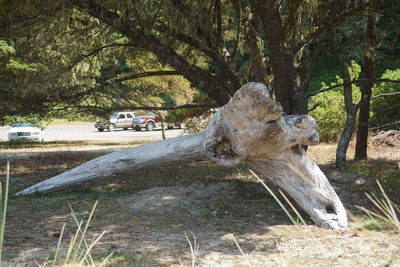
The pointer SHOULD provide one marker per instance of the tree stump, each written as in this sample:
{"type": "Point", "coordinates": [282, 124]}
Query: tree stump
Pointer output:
{"type": "Point", "coordinates": [251, 128]}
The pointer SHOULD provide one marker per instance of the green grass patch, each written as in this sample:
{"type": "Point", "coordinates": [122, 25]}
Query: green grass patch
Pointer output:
{"type": "Point", "coordinates": [371, 224]}
{"type": "Point", "coordinates": [126, 259]}
{"type": "Point", "coordinates": [30, 144]}
{"type": "Point", "coordinates": [386, 172]}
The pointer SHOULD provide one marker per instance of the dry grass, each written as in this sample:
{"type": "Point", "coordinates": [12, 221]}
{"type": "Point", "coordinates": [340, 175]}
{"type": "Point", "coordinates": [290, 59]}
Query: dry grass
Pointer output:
{"type": "Point", "coordinates": [325, 153]}
{"type": "Point", "coordinates": [144, 239]}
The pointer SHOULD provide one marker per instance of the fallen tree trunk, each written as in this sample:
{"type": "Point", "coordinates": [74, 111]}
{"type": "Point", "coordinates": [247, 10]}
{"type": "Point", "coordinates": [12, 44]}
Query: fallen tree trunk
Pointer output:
{"type": "Point", "coordinates": [250, 128]}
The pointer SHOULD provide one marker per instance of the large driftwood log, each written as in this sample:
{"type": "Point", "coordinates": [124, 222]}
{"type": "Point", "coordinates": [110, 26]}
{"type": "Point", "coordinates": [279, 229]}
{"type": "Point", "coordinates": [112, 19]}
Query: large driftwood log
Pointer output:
{"type": "Point", "coordinates": [250, 128]}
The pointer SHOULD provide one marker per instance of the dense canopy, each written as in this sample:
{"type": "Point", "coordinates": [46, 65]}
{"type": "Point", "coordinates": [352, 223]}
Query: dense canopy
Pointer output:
{"type": "Point", "coordinates": [96, 56]}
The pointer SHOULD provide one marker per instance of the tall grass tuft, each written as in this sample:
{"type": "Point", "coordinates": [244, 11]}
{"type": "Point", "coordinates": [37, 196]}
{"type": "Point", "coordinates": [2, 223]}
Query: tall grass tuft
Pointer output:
{"type": "Point", "coordinates": [79, 249]}
{"type": "Point", "coordinates": [291, 218]}
{"type": "Point", "coordinates": [3, 208]}
{"type": "Point", "coordinates": [387, 210]}
{"type": "Point", "coordinates": [194, 249]}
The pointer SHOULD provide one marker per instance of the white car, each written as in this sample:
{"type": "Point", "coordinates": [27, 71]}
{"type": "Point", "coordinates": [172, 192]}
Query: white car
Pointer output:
{"type": "Point", "coordinates": [25, 131]}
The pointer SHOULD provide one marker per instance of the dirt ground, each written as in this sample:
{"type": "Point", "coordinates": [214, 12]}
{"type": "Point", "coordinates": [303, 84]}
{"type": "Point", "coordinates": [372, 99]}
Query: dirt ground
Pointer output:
{"type": "Point", "coordinates": [146, 214]}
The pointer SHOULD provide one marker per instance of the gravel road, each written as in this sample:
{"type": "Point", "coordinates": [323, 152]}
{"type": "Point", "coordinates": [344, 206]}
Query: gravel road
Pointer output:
{"type": "Point", "coordinates": [79, 132]}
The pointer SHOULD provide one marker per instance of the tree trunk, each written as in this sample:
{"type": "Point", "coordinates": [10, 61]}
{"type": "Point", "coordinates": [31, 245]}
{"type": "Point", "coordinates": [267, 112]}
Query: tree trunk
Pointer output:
{"type": "Point", "coordinates": [351, 109]}
{"type": "Point", "coordinates": [345, 138]}
{"type": "Point", "coordinates": [250, 128]}
{"type": "Point", "coordinates": [366, 89]}
{"type": "Point", "coordinates": [163, 130]}
{"type": "Point", "coordinates": [256, 47]}
{"type": "Point", "coordinates": [286, 81]}
{"type": "Point", "coordinates": [267, 12]}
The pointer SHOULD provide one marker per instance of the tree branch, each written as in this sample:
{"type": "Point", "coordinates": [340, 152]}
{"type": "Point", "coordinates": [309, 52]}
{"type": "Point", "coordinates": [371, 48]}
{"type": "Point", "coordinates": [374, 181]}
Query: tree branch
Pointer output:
{"type": "Point", "coordinates": [386, 94]}
{"type": "Point", "coordinates": [189, 40]}
{"type": "Point", "coordinates": [311, 66]}
{"type": "Point", "coordinates": [355, 81]}
{"type": "Point", "coordinates": [103, 110]}
{"type": "Point", "coordinates": [191, 105]}
{"type": "Point", "coordinates": [328, 26]}
{"type": "Point", "coordinates": [199, 77]}
{"type": "Point", "coordinates": [314, 107]}
{"type": "Point", "coordinates": [143, 74]}
{"type": "Point", "coordinates": [329, 88]}
{"type": "Point", "coordinates": [385, 81]}
{"type": "Point", "coordinates": [95, 51]}
{"type": "Point", "coordinates": [237, 9]}
{"type": "Point", "coordinates": [384, 126]}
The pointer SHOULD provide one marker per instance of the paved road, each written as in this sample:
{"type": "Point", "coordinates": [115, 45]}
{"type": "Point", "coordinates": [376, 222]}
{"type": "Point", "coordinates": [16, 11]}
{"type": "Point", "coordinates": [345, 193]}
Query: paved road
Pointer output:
{"type": "Point", "coordinates": [77, 132]}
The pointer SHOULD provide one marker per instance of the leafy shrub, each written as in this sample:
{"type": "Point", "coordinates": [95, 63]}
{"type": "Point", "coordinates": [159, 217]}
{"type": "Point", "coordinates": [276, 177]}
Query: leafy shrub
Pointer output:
{"type": "Point", "coordinates": [331, 114]}
{"type": "Point", "coordinates": [386, 109]}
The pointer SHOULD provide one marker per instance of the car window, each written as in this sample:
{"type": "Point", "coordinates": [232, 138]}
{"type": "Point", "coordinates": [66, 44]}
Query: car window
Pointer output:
{"type": "Point", "coordinates": [23, 124]}
{"type": "Point", "coordinates": [121, 116]}
{"type": "Point", "coordinates": [150, 114]}
{"type": "Point", "coordinates": [113, 116]}
{"type": "Point", "coordinates": [129, 115]}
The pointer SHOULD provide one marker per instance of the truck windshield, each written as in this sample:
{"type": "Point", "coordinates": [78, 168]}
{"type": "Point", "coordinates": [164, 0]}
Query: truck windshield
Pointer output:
{"type": "Point", "coordinates": [114, 116]}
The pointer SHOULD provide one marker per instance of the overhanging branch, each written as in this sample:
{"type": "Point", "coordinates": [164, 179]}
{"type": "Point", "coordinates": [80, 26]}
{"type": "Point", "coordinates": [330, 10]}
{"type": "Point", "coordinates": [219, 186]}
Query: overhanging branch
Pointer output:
{"type": "Point", "coordinates": [386, 94]}
{"type": "Point", "coordinates": [314, 107]}
{"type": "Point", "coordinates": [143, 74]}
{"type": "Point", "coordinates": [95, 51]}
{"type": "Point", "coordinates": [328, 26]}
{"type": "Point", "coordinates": [105, 110]}
{"type": "Point", "coordinates": [384, 126]}
{"type": "Point", "coordinates": [357, 81]}
{"type": "Point", "coordinates": [191, 105]}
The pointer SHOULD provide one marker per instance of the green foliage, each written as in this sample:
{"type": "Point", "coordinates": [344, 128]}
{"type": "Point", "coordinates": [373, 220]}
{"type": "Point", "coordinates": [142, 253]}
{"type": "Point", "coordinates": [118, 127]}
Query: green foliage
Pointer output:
{"type": "Point", "coordinates": [386, 171]}
{"type": "Point", "coordinates": [331, 114]}
{"type": "Point", "coordinates": [126, 259]}
{"type": "Point", "coordinates": [388, 50]}
{"type": "Point", "coordinates": [323, 75]}
{"type": "Point", "coordinates": [386, 109]}
{"type": "Point", "coordinates": [386, 210]}
{"type": "Point", "coordinates": [373, 224]}
{"type": "Point", "coordinates": [18, 65]}
{"type": "Point", "coordinates": [52, 60]}
{"type": "Point", "coordinates": [330, 127]}
{"type": "Point", "coordinates": [6, 49]}
{"type": "Point", "coordinates": [182, 115]}
{"type": "Point", "coordinates": [38, 121]}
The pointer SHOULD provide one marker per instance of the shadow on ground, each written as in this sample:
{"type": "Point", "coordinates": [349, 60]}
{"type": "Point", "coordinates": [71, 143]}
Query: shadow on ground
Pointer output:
{"type": "Point", "coordinates": [147, 213]}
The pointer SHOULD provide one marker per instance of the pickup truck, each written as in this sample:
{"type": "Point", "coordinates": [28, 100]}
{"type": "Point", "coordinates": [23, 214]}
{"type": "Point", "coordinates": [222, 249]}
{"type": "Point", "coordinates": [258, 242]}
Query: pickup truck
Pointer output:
{"type": "Point", "coordinates": [117, 120]}
{"type": "Point", "coordinates": [149, 121]}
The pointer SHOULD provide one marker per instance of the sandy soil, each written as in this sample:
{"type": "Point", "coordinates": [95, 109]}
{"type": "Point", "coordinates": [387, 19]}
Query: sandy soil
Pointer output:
{"type": "Point", "coordinates": [147, 214]}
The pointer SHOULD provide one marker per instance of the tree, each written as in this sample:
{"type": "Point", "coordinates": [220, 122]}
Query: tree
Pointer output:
{"type": "Point", "coordinates": [385, 102]}
{"type": "Point", "coordinates": [369, 66]}
{"type": "Point", "coordinates": [366, 88]}
{"type": "Point", "coordinates": [350, 106]}
{"type": "Point", "coordinates": [184, 37]}
{"type": "Point", "coordinates": [295, 31]}
{"type": "Point", "coordinates": [202, 41]}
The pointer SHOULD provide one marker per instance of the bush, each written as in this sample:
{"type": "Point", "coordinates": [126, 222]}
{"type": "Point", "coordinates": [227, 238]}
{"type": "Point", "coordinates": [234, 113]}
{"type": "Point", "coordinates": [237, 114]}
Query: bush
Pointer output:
{"type": "Point", "coordinates": [386, 109]}
{"type": "Point", "coordinates": [331, 114]}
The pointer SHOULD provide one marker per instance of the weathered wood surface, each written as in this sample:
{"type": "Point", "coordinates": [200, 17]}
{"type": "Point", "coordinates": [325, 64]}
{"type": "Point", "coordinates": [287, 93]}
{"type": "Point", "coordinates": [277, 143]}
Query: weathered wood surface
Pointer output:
{"type": "Point", "coordinates": [250, 128]}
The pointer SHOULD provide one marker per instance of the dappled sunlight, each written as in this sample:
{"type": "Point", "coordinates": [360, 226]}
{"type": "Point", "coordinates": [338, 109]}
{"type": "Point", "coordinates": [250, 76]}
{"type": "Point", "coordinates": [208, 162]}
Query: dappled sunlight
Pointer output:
{"type": "Point", "coordinates": [148, 213]}
{"type": "Point", "coordinates": [325, 153]}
